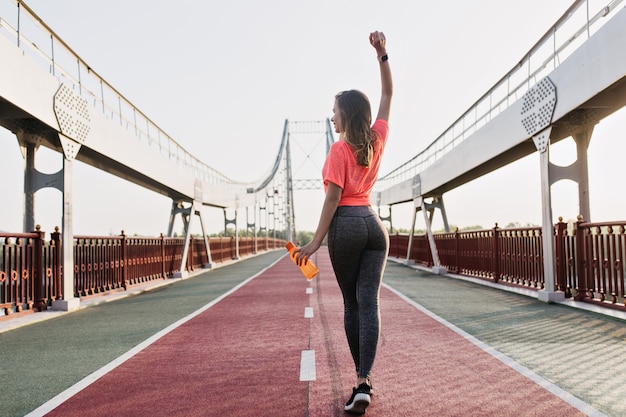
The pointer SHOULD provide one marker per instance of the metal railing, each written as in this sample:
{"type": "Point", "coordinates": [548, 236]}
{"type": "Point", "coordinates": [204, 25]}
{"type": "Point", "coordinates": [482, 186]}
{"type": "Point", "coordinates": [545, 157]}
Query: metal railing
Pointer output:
{"type": "Point", "coordinates": [590, 258]}
{"type": "Point", "coordinates": [38, 41]}
{"type": "Point", "coordinates": [26, 262]}
{"type": "Point", "coordinates": [30, 266]}
{"type": "Point", "coordinates": [575, 26]}
{"type": "Point", "coordinates": [593, 261]}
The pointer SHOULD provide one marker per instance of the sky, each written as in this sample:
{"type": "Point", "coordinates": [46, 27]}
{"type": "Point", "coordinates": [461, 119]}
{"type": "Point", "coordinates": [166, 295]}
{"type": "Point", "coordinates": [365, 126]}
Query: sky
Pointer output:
{"type": "Point", "coordinates": [222, 77]}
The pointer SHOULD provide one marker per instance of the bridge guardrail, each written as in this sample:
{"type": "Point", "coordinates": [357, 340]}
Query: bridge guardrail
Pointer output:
{"type": "Point", "coordinates": [30, 266]}
{"type": "Point", "coordinates": [590, 258]}
{"type": "Point", "coordinates": [25, 263]}
{"type": "Point", "coordinates": [590, 261]}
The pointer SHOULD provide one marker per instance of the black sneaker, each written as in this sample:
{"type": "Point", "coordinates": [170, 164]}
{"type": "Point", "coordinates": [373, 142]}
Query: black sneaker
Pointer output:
{"type": "Point", "coordinates": [359, 400]}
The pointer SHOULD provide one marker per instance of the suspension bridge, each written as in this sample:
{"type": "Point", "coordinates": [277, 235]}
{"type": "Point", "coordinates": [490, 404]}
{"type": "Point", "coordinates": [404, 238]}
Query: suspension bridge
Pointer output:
{"type": "Point", "coordinates": [566, 83]}
{"type": "Point", "coordinates": [572, 78]}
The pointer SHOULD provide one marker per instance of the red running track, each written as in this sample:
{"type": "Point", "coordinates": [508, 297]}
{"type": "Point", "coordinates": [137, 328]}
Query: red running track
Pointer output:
{"type": "Point", "coordinates": [241, 357]}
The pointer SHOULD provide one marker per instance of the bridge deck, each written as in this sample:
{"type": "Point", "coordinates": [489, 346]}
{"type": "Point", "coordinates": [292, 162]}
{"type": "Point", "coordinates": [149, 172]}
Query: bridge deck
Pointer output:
{"type": "Point", "coordinates": [223, 344]}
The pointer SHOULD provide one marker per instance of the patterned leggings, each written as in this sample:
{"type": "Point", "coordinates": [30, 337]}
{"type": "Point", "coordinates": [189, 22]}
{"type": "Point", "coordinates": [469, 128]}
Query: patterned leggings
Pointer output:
{"type": "Point", "coordinates": [358, 244]}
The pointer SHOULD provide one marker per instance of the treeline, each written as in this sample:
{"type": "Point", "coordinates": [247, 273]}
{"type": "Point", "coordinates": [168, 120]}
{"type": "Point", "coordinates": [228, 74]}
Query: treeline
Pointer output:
{"type": "Point", "coordinates": [304, 237]}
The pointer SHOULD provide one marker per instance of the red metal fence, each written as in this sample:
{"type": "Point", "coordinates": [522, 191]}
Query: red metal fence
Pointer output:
{"type": "Point", "coordinates": [21, 267]}
{"type": "Point", "coordinates": [590, 260]}
{"type": "Point", "coordinates": [30, 267]}
{"type": "Point", "coordinates": [593, 257]}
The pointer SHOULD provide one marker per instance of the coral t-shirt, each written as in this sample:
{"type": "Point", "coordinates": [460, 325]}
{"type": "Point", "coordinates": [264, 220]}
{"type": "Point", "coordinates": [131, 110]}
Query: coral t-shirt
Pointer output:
{"type": "Point", "coordinates": [342, 169]}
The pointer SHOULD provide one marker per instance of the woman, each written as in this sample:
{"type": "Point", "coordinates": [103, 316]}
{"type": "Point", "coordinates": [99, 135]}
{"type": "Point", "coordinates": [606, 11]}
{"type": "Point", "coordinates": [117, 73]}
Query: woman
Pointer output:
{"type": "Point", "coordinates": [358, 242]}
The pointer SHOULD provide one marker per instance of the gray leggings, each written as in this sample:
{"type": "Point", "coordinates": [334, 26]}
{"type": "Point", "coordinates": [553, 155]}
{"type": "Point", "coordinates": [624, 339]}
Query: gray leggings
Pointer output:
{"type": "Point", "coordinates": [358, 244]}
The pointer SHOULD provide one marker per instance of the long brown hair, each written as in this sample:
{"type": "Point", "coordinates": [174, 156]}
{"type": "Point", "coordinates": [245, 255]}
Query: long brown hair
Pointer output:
{"type": "Point", "coordinates": [356, 119]}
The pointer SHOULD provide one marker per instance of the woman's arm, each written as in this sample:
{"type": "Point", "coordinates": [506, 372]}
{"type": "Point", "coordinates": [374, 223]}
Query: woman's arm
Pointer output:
{"type": "Point", "coordinates": [331, 201]}
{"type": "Point", "coordinates": [378, 41]}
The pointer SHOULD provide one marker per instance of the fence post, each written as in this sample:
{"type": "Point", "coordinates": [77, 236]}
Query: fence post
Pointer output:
{"type": "Point", "coordinates": [496, 253]}
{"type": "Point", "coordinates": [57, 274]}
{"type": "Point", "coordinates": [561, 262]}
{"type": "Point", "coordinates": [396, 245]}
{"type": "Point", "coordinates": [190, 255]}
{"type": "Point", "coordinates": [124, 261]}
{"type": "Point", "coordinates": [163, 271]}
{"type": "Point", "coordinates": [582, 287]}
{"type": "Point", "coordinates": [457, 254]}
{"type": "Point", "coordinates": [39, 274]}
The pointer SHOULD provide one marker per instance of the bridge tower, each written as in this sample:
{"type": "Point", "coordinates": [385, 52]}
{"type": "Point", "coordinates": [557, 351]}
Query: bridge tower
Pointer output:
{"type": "Point", "coordinates": [306, 174]}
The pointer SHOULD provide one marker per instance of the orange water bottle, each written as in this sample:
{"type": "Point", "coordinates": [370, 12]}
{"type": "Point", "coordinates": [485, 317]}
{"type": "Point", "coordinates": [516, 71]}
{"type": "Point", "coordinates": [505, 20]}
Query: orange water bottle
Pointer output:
{"type": "Point", "coordinates": [308, 268]}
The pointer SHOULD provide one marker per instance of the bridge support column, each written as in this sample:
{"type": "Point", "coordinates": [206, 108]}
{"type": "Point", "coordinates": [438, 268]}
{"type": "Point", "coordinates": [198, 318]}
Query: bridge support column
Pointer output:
{"type": "Point", "coordinates": [30, 174]}
{"type": "Point", "coordinates": [252, 226]}
{"type": "Point", "coordinates": [62, 181]}
{"type": "Point", "coordinates": [233, 221]}
{"type": "Point", "coordinates": [428, 211]}
{"type": "Point", "coordinates": [187, 214]}
{"type": "Point", "coordinates": [550, 174]}
{"type": "Point", "coordinates": [69, 302]}
{"type": "Point", "coordinates": [205, 236]}
{"type": "Point", "coordinates": [582, 140]}
{"type": "Point", "coordinates": [549, 294]}
{"type": "Point", "coordinates": [536, 118]}
{"type": "Point", "coordinates": [34, 180]}
{"type": "Point", "coordinates": [264, 219]}
{"type": "Point", "coordinates": [578, 171]}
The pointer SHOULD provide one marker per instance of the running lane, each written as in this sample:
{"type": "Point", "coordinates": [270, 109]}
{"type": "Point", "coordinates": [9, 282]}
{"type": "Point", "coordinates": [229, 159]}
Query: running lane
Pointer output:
{"type": "Point", "coordinates": [422, 368]}
{"type": "Point", "coordinates": [242, 357]}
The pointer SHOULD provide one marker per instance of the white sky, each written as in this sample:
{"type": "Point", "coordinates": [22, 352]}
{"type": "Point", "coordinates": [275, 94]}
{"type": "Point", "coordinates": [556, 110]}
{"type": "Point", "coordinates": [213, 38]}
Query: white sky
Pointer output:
{"type": "Point", "coordinates": [221, 77]}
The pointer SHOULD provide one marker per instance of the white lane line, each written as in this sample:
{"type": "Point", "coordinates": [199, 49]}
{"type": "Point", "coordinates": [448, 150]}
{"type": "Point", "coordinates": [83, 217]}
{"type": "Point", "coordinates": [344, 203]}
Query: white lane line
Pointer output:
{"type": "Point", "coordinates": [309, 290]}
{"type": "Point", "coordinates": [544, 383]}
{"type": "Point", "coordinates": [307, 365]}
{"type": "Point", "coordinates": [308, 312]}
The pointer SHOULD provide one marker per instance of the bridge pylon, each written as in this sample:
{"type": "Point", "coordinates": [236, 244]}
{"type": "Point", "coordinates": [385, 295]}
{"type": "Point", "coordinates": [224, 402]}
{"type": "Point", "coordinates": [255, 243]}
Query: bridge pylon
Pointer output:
{"type": "Point", "coordinates": [294, 130]}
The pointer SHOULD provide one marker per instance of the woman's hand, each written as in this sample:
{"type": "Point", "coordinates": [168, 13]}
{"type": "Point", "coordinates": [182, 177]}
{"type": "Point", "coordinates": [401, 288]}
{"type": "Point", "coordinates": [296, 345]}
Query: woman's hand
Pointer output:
{"type": "Point", "coordinates": [378, 41]}
{"type": "Point", "coordinates": [303, 254]}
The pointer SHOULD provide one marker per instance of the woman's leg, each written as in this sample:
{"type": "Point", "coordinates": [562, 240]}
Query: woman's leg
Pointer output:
{"type": "Point", "coordinates": [346, 238]}
{"type": "Point", "coordinates": [358, 245]}
{"type": "Point", "coordinates": [371, 269]}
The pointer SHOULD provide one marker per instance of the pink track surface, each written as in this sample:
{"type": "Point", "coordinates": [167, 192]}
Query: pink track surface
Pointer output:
{"type": "Point", "coordinates": [241, 357]}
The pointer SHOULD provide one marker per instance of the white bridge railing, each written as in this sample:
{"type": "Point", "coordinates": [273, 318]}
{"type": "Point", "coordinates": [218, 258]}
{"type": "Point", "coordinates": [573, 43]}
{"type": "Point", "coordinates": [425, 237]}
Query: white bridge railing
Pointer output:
{"type": "Point", "coordinates": [22, 26]}
{"type": "Point", "coordinates": [576, 25]}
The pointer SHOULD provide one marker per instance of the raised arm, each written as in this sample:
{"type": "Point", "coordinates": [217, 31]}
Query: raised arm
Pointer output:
{"type": "Point", "coordinates": [378, 41]}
